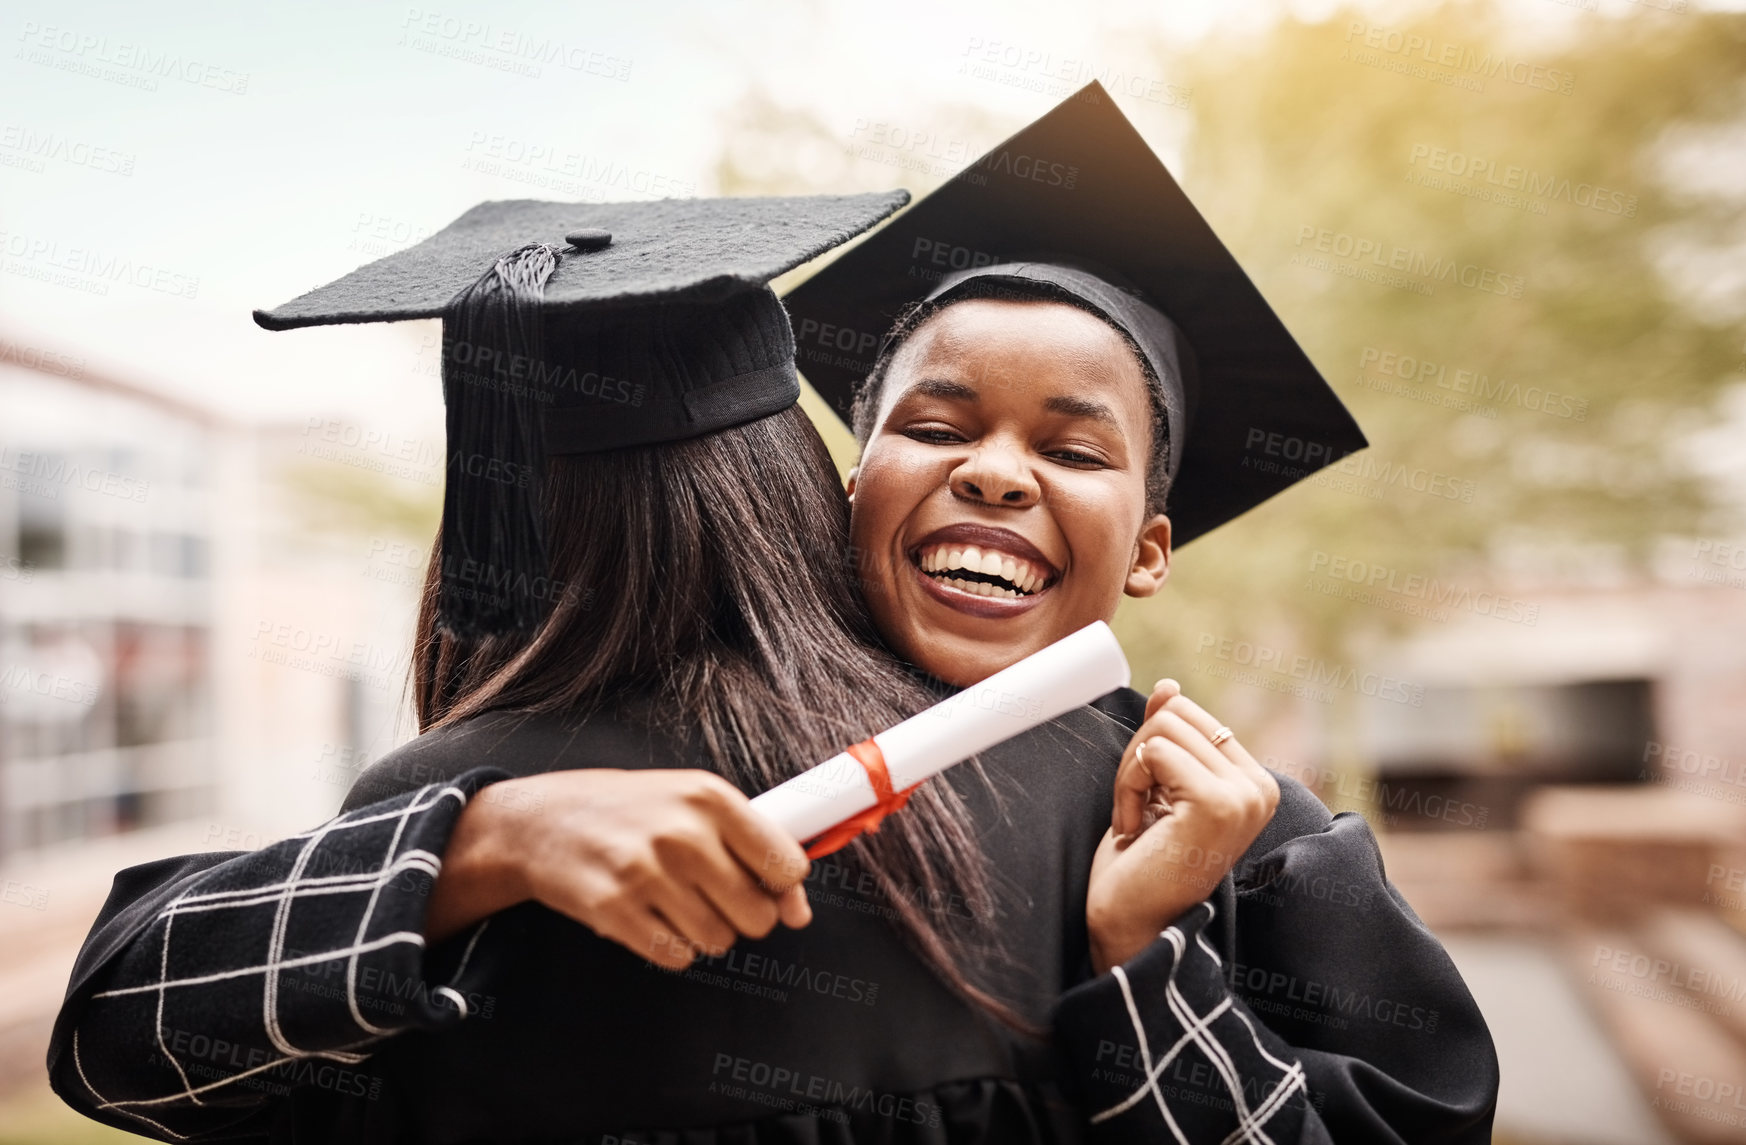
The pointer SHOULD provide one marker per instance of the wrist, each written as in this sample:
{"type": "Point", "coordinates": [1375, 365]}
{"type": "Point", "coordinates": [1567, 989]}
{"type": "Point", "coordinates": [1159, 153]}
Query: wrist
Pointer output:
{"type": "Point", "coordinates": [482, 871]}
{"type": "Point", "coordinates": [1115, 941]}
{"type": "Point", "coordinates": [491, 838]}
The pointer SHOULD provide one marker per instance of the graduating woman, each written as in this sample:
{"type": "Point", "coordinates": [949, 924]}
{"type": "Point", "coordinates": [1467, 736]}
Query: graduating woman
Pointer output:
{"type": "Point", "coordinates": [640, 565]}
{"type": "Point", "coordinates": [1075, 377]}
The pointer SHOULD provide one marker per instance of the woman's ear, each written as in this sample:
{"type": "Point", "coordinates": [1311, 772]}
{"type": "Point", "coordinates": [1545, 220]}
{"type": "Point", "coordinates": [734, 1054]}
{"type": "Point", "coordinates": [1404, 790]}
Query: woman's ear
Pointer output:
{"type": "Point", "coordinates": [854, 471]}
{"type": "Point", "coordinates": [1151, 567]}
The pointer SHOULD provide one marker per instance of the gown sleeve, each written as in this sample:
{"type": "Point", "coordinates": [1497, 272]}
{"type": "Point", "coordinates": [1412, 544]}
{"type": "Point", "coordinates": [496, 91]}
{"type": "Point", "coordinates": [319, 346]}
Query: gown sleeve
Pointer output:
{"type": "Point", "coordinates": [211, 984]}
{"type": "Point", "coordinates": [1304, 1002]}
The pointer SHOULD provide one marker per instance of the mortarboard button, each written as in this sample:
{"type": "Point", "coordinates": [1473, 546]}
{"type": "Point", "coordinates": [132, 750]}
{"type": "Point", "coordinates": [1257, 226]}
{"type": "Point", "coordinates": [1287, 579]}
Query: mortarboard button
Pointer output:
{"type": "Point", "coordinates": [589, 238]}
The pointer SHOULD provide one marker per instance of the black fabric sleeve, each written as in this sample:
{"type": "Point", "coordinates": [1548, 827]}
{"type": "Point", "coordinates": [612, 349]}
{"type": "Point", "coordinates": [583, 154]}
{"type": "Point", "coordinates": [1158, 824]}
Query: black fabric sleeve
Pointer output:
{"type": "Point", "coordinates": [1340, 1018]}
{"type": "Point", "coordinates": [212, 984]}
{"type": "Point", "coordinates": [1163, 1051]}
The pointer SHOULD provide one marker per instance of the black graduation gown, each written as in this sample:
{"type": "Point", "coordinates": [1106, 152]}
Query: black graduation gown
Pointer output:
{"type": "Point", "coordinates": [286, 994]}
{"type": "Point", "coordinates": [1304, 975]}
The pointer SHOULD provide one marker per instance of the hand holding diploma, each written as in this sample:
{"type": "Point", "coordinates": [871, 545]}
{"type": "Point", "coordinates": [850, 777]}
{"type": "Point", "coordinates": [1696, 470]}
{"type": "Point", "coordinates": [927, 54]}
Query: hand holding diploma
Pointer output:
{"type": "Point", "coordinates": [668, 863]}
{"type": "Point", "coordinates": [1189, 800]}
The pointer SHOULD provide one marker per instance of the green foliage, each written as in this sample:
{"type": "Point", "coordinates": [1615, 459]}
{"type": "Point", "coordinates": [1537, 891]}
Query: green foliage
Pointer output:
{"type": "Point", "coordinates": [1304, 128]}
{"type": "Point", "coordinates": [328, 500]}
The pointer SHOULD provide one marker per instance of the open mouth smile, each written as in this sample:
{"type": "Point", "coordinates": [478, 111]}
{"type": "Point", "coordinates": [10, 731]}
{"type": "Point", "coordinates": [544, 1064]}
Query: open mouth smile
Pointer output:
{"type": "Point", "coordinates": [981, 570]}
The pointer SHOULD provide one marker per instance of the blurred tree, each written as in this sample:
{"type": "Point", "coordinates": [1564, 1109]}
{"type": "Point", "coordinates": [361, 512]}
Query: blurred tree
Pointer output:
{"type": "Point", "coordinates": [1465, 145]}
{"type": "Point", "coordinates": [341, 503]}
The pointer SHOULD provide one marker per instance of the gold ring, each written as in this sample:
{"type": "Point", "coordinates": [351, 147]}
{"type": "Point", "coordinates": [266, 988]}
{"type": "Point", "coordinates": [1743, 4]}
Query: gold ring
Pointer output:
{"type": "Point", "coordinates": [1221, 735]}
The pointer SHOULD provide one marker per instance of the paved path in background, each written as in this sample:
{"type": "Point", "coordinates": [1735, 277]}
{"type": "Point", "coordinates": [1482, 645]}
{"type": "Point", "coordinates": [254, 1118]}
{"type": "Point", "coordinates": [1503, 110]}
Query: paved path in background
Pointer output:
{"type": "Point", "coordinates": [1562, 1082]}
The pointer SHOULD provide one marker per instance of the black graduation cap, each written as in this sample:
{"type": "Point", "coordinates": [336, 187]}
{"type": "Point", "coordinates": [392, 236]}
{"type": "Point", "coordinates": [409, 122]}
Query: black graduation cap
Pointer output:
{"type": "Point", "coordinates": [583, 327]}
{"type": "Point", "coordinates": [1077, 202]}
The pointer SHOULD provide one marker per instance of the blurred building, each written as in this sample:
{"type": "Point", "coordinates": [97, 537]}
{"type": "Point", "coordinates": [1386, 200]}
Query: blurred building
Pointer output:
{"type": "Point", "coordinates": [186, 631]}
{"type": "Point", "coordinates": [107, 520]}
{"type": "Point", "coordinates": [197, 652]}
{"type": "Point", "coordinates": [1567, 808]}
{"type": "Point", "coordinates": [1631, 684]}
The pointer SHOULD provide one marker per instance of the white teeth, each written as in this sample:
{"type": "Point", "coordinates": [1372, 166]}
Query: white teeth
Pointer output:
{"type": "Point", "coordinates": [979, 588]}
{"type": "Point", "coordinates": [1024, 577]}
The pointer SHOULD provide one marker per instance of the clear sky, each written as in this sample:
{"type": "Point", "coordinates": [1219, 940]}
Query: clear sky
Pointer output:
{"type": "Point", "coordinates": [228, 156]}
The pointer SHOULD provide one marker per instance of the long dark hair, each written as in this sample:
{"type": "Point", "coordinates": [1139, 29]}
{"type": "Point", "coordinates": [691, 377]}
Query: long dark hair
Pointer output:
{"type": "Point", "coordinates": [712, 574]}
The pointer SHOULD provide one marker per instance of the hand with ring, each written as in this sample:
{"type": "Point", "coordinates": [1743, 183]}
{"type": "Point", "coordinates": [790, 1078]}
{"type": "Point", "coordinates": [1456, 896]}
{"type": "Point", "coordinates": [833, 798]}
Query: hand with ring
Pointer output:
{"type": "Point", "coordinates": [1189, 800]}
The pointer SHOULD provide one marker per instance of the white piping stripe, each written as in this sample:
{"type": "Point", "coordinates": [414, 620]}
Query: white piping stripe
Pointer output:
{"type": "Point", "coordinates": [326, 883]}
{"type": "Point", "coordinates": [1198, 1029]}
{"type": "Point", "coordinates": [286, 964]}
{"type": "Point", "coordinates": [80, 1066]}
{"type": "Point", "coordinates": [364, 928]}
{"type": "Point", "coordinates": [283, 894]}
{"type": "Point", "coordinates": [158, 1025]}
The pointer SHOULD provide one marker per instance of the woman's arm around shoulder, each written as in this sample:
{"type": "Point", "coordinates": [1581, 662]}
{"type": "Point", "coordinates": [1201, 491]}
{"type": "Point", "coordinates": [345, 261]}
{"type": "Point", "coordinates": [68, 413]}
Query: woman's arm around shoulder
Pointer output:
{"type": "Point", "coordinates": [205, 974]}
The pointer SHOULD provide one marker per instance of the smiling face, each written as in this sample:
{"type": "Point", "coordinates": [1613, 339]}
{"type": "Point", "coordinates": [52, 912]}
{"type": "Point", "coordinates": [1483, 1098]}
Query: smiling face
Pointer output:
{"type": "Point", "coordinates": [1000, 502]}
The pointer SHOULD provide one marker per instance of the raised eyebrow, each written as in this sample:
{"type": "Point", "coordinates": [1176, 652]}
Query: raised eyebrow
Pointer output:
{"type": "Point", "coordinates": [1082, 407]}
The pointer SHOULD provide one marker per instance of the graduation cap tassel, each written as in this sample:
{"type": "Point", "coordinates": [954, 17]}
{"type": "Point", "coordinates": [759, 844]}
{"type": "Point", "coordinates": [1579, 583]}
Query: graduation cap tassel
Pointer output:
{"type": "Point", "coordinates": [494, 556]}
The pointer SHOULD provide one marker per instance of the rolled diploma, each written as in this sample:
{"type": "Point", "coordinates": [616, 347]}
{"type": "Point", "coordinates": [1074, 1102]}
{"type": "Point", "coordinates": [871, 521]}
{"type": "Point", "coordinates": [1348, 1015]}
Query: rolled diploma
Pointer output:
{"type": "Point", "coordinates": [1067, 674]}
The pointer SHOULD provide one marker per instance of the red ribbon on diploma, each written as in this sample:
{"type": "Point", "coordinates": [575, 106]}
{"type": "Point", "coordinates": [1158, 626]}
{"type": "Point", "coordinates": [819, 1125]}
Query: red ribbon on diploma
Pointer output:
{"type": "Point", "coordinates": [872, 761]}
